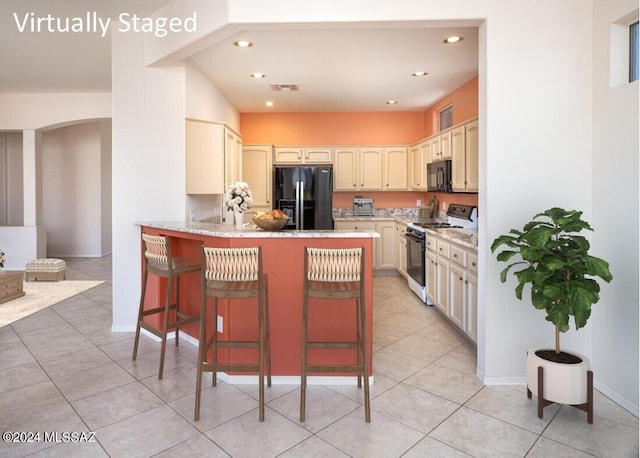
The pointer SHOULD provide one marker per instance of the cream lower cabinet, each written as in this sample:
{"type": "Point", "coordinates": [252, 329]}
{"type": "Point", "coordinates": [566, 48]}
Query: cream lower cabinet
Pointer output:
{"type": "Point", "coordinates": [401, 249]}
{"type": "Point", "coordinates": [257, 172]}
{"type": "Point", "coordinates": [430, 275]}
{"type": "Point", "coordinates": [442, 283]}
{"type": "Point", "coordinates": [386, 255]}
{"type": "Point", "coordinates": [384, 247]}
{"type": "Point", "coordinates": [452, 282]}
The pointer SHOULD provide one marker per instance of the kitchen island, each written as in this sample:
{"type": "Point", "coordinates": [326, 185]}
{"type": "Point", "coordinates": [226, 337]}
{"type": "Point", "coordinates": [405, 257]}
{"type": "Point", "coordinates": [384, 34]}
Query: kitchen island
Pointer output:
{"type": "Point", "coordinates": [282, 258]}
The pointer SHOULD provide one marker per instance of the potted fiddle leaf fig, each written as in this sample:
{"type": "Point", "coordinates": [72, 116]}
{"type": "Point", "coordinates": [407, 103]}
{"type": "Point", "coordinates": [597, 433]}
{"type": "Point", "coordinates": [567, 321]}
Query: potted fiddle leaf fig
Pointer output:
{"type": "Point", "coordinates": [551, 256]}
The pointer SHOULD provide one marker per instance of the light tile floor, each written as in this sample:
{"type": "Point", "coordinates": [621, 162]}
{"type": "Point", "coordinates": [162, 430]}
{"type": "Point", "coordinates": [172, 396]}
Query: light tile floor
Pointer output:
{"type": "Point", "coordinates": [63, 370]}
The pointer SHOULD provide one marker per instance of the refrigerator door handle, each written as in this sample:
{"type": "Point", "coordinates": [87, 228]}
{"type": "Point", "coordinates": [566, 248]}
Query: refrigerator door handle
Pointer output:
{"type": "Point", "coordinates": [298, 210]}
{"type": "Point", "coordinates": [301, 218]}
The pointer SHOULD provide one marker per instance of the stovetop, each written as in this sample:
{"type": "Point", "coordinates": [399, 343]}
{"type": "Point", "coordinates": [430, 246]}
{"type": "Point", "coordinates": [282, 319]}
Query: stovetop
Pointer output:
{"type": "Point", "coordinates": [436, 225]}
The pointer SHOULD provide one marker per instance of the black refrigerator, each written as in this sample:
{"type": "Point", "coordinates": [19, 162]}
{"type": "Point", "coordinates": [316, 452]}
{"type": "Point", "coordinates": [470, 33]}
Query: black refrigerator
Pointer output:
{"type": "Point", "coordinates": [304, 195]}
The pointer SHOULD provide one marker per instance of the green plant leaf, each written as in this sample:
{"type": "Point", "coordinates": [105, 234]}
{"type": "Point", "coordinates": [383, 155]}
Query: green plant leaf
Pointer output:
{"type": "Point", "coordinates": [506, 255]}
{"type": "Point", "coordinates": [598, 268]}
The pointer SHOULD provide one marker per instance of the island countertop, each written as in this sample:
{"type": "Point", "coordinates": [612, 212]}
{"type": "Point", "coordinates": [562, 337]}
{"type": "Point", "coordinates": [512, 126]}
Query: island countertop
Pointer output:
{"type": "Point", "coordinates": [252, 231]}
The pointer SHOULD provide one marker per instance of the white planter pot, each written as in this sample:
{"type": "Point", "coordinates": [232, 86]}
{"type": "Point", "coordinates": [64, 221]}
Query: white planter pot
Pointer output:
{"type": "Point", "coordinates": [562, 383]}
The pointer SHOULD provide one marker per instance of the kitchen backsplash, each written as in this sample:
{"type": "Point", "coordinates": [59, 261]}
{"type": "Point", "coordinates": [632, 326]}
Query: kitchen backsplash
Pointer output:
{"type": "Point", "coordinates": [417, 213]}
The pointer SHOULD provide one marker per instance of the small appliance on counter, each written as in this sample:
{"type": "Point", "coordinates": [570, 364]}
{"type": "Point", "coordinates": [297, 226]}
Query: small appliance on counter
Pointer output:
{"type": "Point", "coordinates": [362, 206]}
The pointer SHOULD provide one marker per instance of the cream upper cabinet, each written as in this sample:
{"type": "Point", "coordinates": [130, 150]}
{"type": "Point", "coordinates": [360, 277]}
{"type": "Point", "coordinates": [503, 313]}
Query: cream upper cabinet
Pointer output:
{"type": "Point", "coordinates": [212, 157]}
{"type": "Point", "coordinates": [287, 155]}
{"type": "Point", "coordinates": [458, 167]}
{"type": "Point", "coordinates": [232, 157]}
{"type": "Point", "coordinates": [357, 169]}
{"type": "Point", "coordinates": [441, 147]}
{"type": "Point", "coordinates": [317, 156]}
{"type": "Point", "coordinates": [370, 169]}
{"type": "Point", "coordinates": [420, 157]}
{"type": "Point", "coordinates": [257, 172]}
{"type": "Point", "coordinates": [345, 177]}
{"type": "Point", "coordinates": [415, 159]}
{"type": "Point", "coordinates": [302, 155]}
{"type": "Point", "coordinates": [464, 163]}
{"type": "Point", "coordinates": [471, 157]}
{"type": "Point", "coordinates": [395, 169]}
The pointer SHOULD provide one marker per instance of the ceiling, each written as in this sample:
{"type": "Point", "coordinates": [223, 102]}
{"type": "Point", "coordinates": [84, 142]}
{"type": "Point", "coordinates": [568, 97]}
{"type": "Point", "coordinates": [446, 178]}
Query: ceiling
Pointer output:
{"type": "Point", "coordinates": [336, 69]}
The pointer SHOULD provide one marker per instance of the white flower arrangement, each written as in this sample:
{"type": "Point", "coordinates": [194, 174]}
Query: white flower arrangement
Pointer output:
{"type": "Point", "coordinates": [237, 198]}
{"type": "Point", "coordinates": [1, 258]}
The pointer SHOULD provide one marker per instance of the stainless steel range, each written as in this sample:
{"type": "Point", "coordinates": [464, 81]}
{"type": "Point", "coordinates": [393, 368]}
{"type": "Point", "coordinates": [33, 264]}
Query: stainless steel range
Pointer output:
{"type": "Point", "coordinates": [459, 216]}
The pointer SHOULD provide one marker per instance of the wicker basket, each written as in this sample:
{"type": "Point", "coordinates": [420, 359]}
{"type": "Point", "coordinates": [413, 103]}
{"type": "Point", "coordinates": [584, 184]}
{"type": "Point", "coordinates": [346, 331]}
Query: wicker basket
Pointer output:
{"type": "Point", "coordinates": [270, 224]}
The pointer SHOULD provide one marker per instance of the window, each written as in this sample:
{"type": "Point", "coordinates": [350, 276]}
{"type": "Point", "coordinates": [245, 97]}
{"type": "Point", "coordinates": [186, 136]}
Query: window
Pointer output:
{"type": "Point", "coordinates": [446, 117]}
{"type": "Point", "coordinates": [633, 52]}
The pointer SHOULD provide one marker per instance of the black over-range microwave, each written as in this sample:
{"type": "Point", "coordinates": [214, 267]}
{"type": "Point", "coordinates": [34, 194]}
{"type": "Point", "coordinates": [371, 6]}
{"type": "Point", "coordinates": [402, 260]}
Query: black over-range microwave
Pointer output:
{"type": "Point", "coordinates": [439, 176]}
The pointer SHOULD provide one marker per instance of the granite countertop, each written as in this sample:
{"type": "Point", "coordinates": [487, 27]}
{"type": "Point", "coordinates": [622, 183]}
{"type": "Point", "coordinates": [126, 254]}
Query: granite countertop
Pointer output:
{"type": "Point", "coordinates": [251, 231]}
{"type": "Point", "coordinates": [464, 237]}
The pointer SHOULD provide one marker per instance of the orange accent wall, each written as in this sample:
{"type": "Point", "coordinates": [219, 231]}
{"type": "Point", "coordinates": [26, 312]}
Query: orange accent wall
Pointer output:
{"type": "Point", "coordinates": [365, 128]}
{"type": "Point", "coordinates": [370, 128]}
{"type": "Point", "coordinates": [465, 106]}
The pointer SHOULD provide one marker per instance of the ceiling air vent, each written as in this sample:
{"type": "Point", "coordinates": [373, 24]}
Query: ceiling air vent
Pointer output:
{"type": "Point", "coordinates": [285, 87]}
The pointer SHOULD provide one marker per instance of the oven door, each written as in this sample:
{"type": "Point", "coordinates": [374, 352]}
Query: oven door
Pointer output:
{"type": "Point", "coordinates": [415, 259]}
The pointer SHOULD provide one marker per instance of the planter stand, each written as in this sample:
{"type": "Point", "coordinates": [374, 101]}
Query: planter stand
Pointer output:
{"type": "Point", "coordinates": [538, 385]}
{"type": "Point", "coordinates": [542, 402]}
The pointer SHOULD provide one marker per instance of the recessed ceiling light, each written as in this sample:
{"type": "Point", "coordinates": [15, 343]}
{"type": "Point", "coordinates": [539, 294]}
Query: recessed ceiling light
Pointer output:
{"type": "Point", "coordinates": [258, 75]}
{"type": "Point", "coordinates": [453, 39]}
{"type": "Point", "coordinates": [269, 103]}
{"type": "Point", "coordinates": [419, 74]}
{"type": "Point", "coordinates": [391, 102]}
{"type": "Point", "coordinates": [243, 43]}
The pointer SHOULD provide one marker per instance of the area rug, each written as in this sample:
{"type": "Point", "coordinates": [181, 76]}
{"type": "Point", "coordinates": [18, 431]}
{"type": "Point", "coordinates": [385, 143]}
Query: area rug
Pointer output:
{"type": "Point", "coordinates": [40, 295]}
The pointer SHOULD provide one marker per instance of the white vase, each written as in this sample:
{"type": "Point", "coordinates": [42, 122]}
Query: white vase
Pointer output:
{"type": "Point", "coordinates": [239, 219]}
{"type": "Point", "coordinates": [562, 383]}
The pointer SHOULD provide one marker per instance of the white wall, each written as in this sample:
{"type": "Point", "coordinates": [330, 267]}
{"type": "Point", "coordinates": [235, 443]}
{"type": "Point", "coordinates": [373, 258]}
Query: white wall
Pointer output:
{"type": "Point", "coordinates": [147, 161]}
{"type": "Point", "coordinates": [149, 110]}
{"type": "Point", "coordinates": [615, 199]}
{"type": "Point", "coordinates": [105, 186]}
{"type": "Point", "coordinates": [72, 189]}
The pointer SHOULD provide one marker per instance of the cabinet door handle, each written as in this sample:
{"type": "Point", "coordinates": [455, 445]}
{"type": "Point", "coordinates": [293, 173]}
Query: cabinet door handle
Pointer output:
{"type": "Point", "coordinates": [473, 264]}
{"type": "Point", "coordinates": [455, 255]}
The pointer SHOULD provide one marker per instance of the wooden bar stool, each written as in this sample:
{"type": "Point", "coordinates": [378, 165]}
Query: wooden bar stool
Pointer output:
{"type": "Point", "coordinates": [159, 261]}
{"type": "Point", "coordinates": [233, 273]}
{"type": "Point", "coordinates": [335, 274]}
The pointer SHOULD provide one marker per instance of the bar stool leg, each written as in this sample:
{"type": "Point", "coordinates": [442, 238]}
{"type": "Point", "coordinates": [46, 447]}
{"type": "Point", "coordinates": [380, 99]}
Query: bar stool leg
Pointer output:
{"type": "Point", "coordinates": [177, 307]}
{"type": "Point", "coordinates": [202, 354]}
{"type": "Point", "coordinates": [303, 377]}
{"type": "Point", "coordinates": [268, 330]}
{"type": "Point", "coordinates": [261, 337]}
{"type": "Point", "coordinates": [140, 310]}
{"type": "Point", "coordinates": [365, 359]}
{"type": "Point", "coordinates": [214, 341]}
{"type": "Point", "coordinates": [165, 327]}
